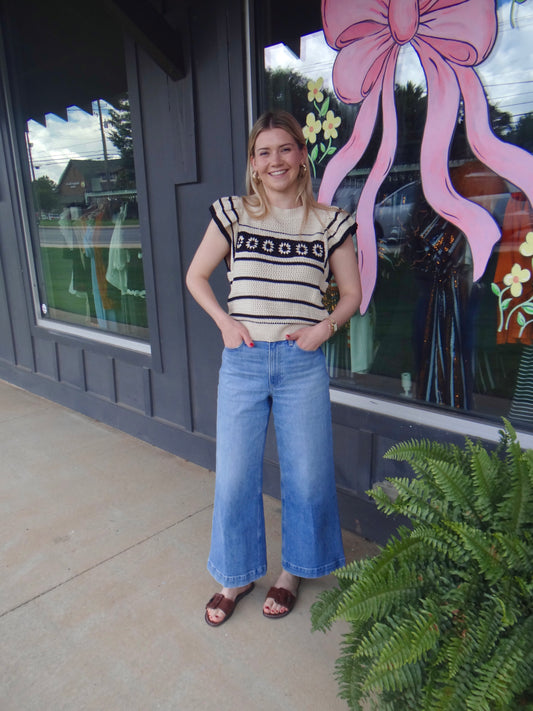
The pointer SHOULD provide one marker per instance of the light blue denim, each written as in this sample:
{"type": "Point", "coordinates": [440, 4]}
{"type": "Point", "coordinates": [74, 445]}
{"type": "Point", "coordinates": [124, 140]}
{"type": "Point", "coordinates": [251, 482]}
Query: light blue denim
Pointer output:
{"type": "Point", "coordinates": [293, 384]}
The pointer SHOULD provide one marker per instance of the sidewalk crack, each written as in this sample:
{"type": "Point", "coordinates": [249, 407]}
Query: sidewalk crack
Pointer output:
{"type": "Point", "coordinates": [105, 560]}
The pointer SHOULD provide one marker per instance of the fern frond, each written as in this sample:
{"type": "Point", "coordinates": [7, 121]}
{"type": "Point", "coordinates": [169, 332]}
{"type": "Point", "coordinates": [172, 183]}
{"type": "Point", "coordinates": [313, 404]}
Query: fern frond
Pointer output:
{"type": "Point", "coordinates": [516, 508]}
{"type": "Point", "coordinates": [440, 540]}
{"type": "Point", "coordinates": [324, 610]}
{"type": "Point", "coordinates": [377, 679]}
{"type": "Point", "coordinates": [517, 552]}
{"type": "Point", "coordinates": [485, 629]}
{"type": "Point", "coordinates": [352, 571]}
{"type": "Point", "coordinates": [454, 485]}
{"type": "Point", "coordinates": [417, 499]}
{"type": "Point", "coordinates": [487, 480]}
{"type": "Point", "coordinates": [454, 654]}
{"type": "Point", "coordinates": [508, 431]}
{"type": "Point", "coordinates": [410, 640]}
{"type": "Point", "coordinates": [349, 674]}
{"type": "Point", "coordinates": [414, 450]}
{"type": "Point", "coordinates": [506, 673]}
{"type": "Point", "coordinates": [483, 549]}
{"type": "Point", "coordinates": [399, 552]}
{"type": "Point", "coordinates": [447, 695]}
{"type": "Point", "coordinates": [376, 595]}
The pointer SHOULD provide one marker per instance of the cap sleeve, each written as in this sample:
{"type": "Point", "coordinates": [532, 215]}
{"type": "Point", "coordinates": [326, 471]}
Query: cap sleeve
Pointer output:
{"type": "Point", "coordinates": [342, 226]}
{"type": "Point", "coordinates": [225, 212]}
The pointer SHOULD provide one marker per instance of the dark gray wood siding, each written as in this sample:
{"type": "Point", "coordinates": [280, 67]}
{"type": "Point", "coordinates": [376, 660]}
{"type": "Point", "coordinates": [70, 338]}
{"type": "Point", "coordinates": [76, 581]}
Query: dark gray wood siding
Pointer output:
{"type": "Point", "coordinates": [190, 148]}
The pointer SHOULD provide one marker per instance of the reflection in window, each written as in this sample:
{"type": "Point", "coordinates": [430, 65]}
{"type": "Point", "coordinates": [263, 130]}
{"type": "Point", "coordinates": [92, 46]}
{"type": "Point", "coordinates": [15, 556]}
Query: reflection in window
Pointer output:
{"type": "Point", "coordinates": [87, 217]}
{"type": "Point", "coordinates": [431, 333]}
{"type": "Point", "coordinates": [73, 110]}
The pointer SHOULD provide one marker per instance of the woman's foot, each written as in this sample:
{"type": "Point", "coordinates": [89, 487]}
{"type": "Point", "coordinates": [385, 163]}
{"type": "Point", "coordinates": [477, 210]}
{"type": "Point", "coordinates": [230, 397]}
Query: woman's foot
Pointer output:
{"type": "Point", "coordinates": [221, 606]}
{"type": "Point", "coordinates": [282, 596]}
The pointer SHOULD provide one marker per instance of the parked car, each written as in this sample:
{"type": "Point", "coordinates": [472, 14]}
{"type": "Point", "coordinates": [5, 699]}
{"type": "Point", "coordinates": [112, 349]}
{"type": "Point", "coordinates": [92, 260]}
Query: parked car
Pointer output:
{"type": "Point", "coordinates": [393, 214]}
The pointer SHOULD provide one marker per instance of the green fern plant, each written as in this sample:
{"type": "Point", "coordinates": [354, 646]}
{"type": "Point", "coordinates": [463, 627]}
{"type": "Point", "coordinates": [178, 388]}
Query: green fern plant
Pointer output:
{"type": "Point", "coordinates": [440, 619]}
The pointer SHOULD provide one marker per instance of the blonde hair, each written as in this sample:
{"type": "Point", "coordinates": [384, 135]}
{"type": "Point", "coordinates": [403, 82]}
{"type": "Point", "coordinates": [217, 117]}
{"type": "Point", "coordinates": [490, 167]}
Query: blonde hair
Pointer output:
{"type": "Point", "coordinates": [256, 198]}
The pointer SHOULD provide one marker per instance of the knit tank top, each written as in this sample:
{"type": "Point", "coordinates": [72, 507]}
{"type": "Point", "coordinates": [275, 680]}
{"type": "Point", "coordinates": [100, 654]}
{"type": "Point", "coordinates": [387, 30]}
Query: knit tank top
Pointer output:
{"type": "Point", "coordinates": [278, 268]}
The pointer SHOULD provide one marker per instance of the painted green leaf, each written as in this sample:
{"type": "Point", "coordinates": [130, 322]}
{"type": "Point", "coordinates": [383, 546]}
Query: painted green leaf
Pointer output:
{"type": "Point", "coordinates": [505, 304]}
{"type": "Point", "coordinates": [521, 319]}
{"type": "Point", "coordinates": [314, 153]}
{"type": "Point", "coordinates": [528, 308]}
{"type": "Point", "coordinates": [324, 108]}
{"type": "Point", "coordinates": [495, 289]}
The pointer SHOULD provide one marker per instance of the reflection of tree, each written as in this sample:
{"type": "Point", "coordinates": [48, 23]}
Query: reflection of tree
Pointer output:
{"type": "Point", "coordinates": [45, 194]}
{"type": "Point", "coordinates": [288, 90]}
{"type": "Point", "coordinates": [522, 134]}
{"type": "Point", "coordinates": [122, 138]}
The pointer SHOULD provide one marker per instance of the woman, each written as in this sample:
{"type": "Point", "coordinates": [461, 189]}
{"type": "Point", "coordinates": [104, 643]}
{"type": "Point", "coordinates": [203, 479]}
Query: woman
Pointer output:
{"type": "Point", "coordinates": [280, 247]}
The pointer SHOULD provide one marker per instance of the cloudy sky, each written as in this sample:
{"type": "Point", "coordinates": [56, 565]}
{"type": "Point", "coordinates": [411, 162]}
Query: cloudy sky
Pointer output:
{"type": "Point", "coordinates": [507, 76]}
{"type": "Point", "coordinates": [53, 145]}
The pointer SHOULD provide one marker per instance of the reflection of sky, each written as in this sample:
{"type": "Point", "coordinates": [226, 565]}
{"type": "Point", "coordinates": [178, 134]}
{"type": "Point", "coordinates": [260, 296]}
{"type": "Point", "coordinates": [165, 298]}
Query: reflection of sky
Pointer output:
{"type": "Point", "coordinates": [59, 141]}
{"type": "Point", "coordinates": [507, 74]}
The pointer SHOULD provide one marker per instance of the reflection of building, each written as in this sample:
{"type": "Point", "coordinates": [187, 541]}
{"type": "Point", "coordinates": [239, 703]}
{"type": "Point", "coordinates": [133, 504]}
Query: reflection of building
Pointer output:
{"type": "Point", "coordinates": [83, 178]}
{"type": "Point", "coordinates": [194, 85]}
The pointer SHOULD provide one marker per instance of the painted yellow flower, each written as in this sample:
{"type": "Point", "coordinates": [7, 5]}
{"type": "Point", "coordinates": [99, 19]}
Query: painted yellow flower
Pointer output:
{"type": "Point", "coordinates": [526, 248]}
{"type": "Point", "coordinates": [312, 128]}
{"type": "Point", "coordinates": [330, 125]}
{"type": "Point", "coordinates": [314, 90]}
{"type": "Point", "coordinates": [516, 278]}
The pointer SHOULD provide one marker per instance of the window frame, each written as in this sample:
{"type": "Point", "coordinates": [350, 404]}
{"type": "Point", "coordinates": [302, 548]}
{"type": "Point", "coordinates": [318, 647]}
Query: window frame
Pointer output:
{"type": "Point", "coordinates": [23, 198]}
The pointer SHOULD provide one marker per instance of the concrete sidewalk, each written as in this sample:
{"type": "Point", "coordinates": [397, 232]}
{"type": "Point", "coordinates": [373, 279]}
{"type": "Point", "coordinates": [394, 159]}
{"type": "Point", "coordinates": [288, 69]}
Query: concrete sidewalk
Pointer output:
{"type": "Point", "coordinates": [103, 583]}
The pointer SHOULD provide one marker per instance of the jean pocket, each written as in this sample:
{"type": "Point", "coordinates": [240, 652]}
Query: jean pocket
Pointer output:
{"type": "Point", "coordinates": [232, 350]}
{"type": "Point", "coordinates": [302, 350]}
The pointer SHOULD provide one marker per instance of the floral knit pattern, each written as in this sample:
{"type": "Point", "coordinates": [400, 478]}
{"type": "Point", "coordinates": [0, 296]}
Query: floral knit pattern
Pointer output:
{"type": "Point", "coordinates": [279, 267]}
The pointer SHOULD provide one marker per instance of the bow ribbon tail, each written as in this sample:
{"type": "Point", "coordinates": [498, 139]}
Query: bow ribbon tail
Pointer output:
{"type": "Point", "coordinates": [510, 161]}
{"type": "Point", "coordinates": [350, 154]}
{"type": "Point", "coordinates": [480, 229]}
{"type": "Point", "coordinates": [366, 234]}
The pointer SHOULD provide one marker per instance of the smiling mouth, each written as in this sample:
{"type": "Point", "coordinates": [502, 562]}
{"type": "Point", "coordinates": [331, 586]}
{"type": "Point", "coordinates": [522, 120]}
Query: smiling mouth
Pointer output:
{"type": "Point", "coordinates": [278, 172]}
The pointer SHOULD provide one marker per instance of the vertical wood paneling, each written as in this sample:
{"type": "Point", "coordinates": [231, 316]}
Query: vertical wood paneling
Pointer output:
{"type": "Point", "coordinates": [99, 375]}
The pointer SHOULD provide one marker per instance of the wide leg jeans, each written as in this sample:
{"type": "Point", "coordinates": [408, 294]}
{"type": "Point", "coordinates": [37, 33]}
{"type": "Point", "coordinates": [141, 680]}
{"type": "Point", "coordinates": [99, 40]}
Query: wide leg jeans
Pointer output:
{"type": "Point", "coordinates": [293, 384]}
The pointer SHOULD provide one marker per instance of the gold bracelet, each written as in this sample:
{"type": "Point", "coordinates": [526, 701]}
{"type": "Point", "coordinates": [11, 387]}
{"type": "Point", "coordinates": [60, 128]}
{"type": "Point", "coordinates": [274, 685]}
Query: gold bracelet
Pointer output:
{"type": "Point", "coordinates": [332, 326]}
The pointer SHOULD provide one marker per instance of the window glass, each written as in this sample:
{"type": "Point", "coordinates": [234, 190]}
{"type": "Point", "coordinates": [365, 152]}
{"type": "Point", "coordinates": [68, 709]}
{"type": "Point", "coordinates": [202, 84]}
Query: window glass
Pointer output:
{"type": "Point", "coordinates": [449, 320]}
{"type": "Point", "coordinates": [73, 104]}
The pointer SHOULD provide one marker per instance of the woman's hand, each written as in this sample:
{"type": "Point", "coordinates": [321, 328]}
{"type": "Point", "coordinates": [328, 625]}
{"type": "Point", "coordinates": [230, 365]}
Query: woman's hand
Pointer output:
{"type": "Point", "coordinates": [310, 338]}
{"type": "Point", "coordinates": [234, 333]}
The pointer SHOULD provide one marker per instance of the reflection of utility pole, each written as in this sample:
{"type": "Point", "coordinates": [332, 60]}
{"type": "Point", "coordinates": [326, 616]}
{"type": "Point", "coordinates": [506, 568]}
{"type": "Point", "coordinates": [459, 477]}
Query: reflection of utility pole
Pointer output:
{"type": "Point", "coordinates": [104, 144]}
{"type": "Point", "coordinates": [30, 157]}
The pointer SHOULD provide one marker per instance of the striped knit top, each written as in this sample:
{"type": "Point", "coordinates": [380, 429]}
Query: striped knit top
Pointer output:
{"type": "Point", "coordinates": [278, 268]}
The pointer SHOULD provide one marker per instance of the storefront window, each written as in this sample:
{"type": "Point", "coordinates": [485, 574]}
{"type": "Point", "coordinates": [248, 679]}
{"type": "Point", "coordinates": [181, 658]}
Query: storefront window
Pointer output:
{"type": "Point", "coordinates": [448, 319]}
{"type": "Point", "coordinates": [74, 106]}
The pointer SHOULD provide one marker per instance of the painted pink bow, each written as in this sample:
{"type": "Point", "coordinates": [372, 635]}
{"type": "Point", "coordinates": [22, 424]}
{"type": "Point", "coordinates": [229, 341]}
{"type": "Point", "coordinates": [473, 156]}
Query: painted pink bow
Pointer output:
{"type": "Point", "coordinates": [450, 37]}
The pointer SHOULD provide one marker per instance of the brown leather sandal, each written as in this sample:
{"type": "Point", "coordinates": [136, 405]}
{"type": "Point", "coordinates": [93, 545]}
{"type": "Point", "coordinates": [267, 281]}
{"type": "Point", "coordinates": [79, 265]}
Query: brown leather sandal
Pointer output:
{"type": "Point", "coordinates": [283, 597]}
{"type": "Point", "coordinates": [219, 602]}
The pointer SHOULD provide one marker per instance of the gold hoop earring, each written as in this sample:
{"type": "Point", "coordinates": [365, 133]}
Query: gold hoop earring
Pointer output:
{"type": "Point", "coordinates": [255, 176]}
{"type": "Point", "coordinates": [304, 168]}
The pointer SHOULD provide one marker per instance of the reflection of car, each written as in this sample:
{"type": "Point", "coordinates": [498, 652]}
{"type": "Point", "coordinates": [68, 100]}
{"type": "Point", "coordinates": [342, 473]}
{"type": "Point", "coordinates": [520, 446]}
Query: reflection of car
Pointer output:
{"type": "Point", "coordinates": [347, 197]}
{"type": "Point", "coordinates": [392, 215]}
{"type": "Point", "coordinates": [395, 215]}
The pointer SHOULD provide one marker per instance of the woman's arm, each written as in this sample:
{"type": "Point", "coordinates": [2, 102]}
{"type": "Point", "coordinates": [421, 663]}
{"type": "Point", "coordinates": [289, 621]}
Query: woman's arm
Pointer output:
{"type": "Point", "coordinates": [343, 265]}
{"type": "Point", "coordinates": [211, 252]}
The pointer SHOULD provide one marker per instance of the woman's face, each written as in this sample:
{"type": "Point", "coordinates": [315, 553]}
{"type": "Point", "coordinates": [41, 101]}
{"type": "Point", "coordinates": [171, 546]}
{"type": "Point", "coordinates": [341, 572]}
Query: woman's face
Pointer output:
{"type": "Point", "coordinates": [277, 160]}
